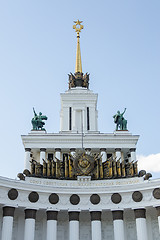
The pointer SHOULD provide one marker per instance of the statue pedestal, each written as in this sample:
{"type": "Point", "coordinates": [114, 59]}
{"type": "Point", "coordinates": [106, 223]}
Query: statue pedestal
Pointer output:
{"type": "Point", "coordinates": [37, 132]}
{"type": "Point", "coordinates": [122, 132]}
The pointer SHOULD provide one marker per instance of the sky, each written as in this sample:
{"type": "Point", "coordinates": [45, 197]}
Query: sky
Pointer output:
{"type": "Point", "coordinates": [120, 48]}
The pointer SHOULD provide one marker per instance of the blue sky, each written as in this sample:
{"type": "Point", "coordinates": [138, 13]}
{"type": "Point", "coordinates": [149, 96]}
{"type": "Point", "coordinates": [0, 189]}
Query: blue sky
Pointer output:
{"type": "Point", "coordinates": [120, 48]}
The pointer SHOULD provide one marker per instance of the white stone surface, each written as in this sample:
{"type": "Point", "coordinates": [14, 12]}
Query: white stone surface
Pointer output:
{"type": "Point", "coordinates": [51, 230]}
{"type": "Point", "coordinates": [96, 230]}
{"type": "Point", "coordinates": [29, 230]}
{"type": "Point", "coordinates": [141, 229]}
{"type": "Point", "coordinates": [118, 229]}
{"type": "Point", "coordinates": [74, 230]}
{"type": "Point", "coordinates": [7, 227]}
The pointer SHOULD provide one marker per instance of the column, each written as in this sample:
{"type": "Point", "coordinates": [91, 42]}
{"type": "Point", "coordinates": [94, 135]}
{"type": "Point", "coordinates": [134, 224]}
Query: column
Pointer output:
{"type": "Point", "coordinates": [141, 227]}
{"type": "Point", "coordinates": [104, 154]}
{"type": "Point", "coordinates": [118, 154]}
{"type": "Point", "coordinates": [96, 225]}
{"type": "Point", "coordinates": [7, 226]}
{"type": "Point", "coordinates": [58, 153]}
{"type": "Point", "coordinates": [73, 225]}
{"type": "Point", "coordinates": [158, 214]}
{"type": "Point", "coordinates": [72, 151]}
{"type": "Point", "coordinates": [29, 229]}
{"type": "Point", "coordinates": [52, 225]}
{"type": "Point", "coordinates": [88, 150]}
{"type": "Point", "coordinates": [27, 164]}
{"type": "Point", "coordinates": [118, 225]}
{"type": "Point", "coordinates": [42, 155]}
{"type": "Point", "coordinates": [133, 154]}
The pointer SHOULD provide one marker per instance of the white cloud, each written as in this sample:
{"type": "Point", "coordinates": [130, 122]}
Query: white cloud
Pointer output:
{"type": "Point", "coordinates": [150, 163]}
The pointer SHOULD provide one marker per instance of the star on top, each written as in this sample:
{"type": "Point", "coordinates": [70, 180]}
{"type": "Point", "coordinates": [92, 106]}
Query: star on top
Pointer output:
{"type": "Point", "coordinates": [78, 27]}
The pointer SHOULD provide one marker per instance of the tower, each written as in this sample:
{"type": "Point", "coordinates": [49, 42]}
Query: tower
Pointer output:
{"type": "Point", "coordinates": [78, 104]}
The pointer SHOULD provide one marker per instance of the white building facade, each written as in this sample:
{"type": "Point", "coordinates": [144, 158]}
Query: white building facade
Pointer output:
{"type": "Point", "coordinates": [80, 184]}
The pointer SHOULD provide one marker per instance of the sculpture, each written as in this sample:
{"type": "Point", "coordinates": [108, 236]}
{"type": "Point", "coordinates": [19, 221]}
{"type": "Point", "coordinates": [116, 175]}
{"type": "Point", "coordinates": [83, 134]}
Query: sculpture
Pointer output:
{"type": "Point", "coordinates": [121, 123]}
{"type": "Point", "coordinates": [37, 121]}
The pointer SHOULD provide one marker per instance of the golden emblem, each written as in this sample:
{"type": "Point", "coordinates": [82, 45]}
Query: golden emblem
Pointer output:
{"type": "Point", "coordinates": [78, 27]}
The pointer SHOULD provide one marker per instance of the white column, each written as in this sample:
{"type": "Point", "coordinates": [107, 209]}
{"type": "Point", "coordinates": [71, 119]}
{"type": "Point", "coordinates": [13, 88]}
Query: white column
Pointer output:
{"type": "Point", "coordinates": [72, 151]}
{"type": "Point", "coordinates": [118, 225]}
{"type": "Point", "coordinates": [58, 153]}
{"type": "Point", "coordinates": [133, 154]}
{"type": "Point", "coordinates": [88, 150]}
{"type": "Point", "coordinates": [96, 225]}
{"type": "Point", "coordinates": [158, 214]}
{"type": "Point", "coordinates": [42, 155]}
{"type": "Point", "coordinates": [52, 225]}
{"type": "Point", "coordinates": [27, 164]}
{"type": "Point", "coordinates": [141, 227]}
{"type": "Point", "coordinates": [29, 229]}
{"type": "Point", "coordinates": [118, 154]}
{"type": "Point", "coordinates": [7, 226]}
{"type": "Point", "coordinates": [73, 225]}
{"type": "Point", "coordinates": [104, 154]}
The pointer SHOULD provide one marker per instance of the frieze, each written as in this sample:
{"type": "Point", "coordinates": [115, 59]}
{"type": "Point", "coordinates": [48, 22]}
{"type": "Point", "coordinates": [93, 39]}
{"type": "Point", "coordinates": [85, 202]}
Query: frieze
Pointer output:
{"type": "Point", "coordinates": [82, 163]}
{"type": "Point", "coordinates": [66, 184]}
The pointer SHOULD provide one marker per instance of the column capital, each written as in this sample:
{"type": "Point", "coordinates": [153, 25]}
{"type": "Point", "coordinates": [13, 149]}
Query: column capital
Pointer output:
{"type": "Point", "coordinates": [27, 149]}
{"type": "Point", "coordinates": [140, 213]}
{"type": "Point", "coordinates": [132, 149]}
{"type": "Point", "coordinates": [95, 215]}
{"type": "Point", "coordinates": [52, 215]}
{"type": "Point", "coordinates": [117, 215]}
{"type": "Point", "coordinates": [8, 211]}
{"type": "Point", "coordinates": [102, 149]}
{"type": "Point", "coordinates": [30, 213]}
{"type": "Point", "coordinates": [43, 149]}
{"type": "Point", "coordinates": [72, 149]}
{"type": "Point", "coordinates": [73, 216]}
{"type": "Point", "coordinates": [57, 149]}
{"type": "Point", "coordinates": [88, 149]}
{"type": "Point", "coordinates": [117, 149]}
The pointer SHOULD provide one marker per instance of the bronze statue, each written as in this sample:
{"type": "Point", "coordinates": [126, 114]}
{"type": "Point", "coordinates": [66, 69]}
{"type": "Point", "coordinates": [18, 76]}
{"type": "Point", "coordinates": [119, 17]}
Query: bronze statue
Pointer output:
{"type": "Point", "coordinates": [121, 123]}
{"type": "Point", "coordinates": [37, 121]}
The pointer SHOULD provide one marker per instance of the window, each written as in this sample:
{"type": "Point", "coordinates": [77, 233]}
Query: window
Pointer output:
{"type": "Point", "coordinates": [70, 118]}
{"type": "Point", "coordinates": [88, 127]}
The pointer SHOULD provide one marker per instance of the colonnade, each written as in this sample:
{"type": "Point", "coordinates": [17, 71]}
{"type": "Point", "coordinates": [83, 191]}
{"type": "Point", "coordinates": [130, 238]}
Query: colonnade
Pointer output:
{"type": "Point", "coordinates": [51, 217]}
{"type": "Point", "coordinates": [58, 155]}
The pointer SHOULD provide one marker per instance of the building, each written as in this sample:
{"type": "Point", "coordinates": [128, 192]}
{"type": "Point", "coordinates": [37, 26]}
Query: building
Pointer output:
{"type": "Point", "coordinates": [80, 184]}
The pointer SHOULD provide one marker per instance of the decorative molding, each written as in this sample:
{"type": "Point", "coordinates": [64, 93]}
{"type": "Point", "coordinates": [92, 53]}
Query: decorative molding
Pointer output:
{"type": "Point", "coordinates": [73, 216]}
{"type": "Point", "coordinates": [116, 198]}
{"type": "Point", "coordinates": [8, 211]}
{"type": "Point", "coordinates": [33, 197]}
{"type": "Point", "coordinates": [117, 215]}
{"type": "Point", "coordinates": [52, 215]}
{"type": "Point", "coordinates": [95, 199]}
{"type": "Point", "coordinates": [140, 213]}
{"type": "Point", "coordinates": [30, 213]}
{"type": "Point", "coordinates": [156, 193]}
{"type": "Point", "coordinates": [53, 198]}
{"type": "Point", "coordinates": [12, 194]}
{"type": "Point", "coordinates": [74, 199]}
{"type": "Point", "coordinates": [137, 196]}
{"type": "Point", "coordinates": [95, 216]}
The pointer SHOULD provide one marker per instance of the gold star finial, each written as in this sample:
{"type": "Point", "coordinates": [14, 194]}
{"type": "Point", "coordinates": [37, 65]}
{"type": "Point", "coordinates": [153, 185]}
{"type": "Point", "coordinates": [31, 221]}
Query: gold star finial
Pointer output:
{"type": "Point", "coordinates": [78, 27]}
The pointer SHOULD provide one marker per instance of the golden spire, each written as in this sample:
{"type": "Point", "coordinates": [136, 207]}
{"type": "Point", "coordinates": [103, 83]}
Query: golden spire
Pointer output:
{"type": "Point", "coordinates": [78, 27]}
